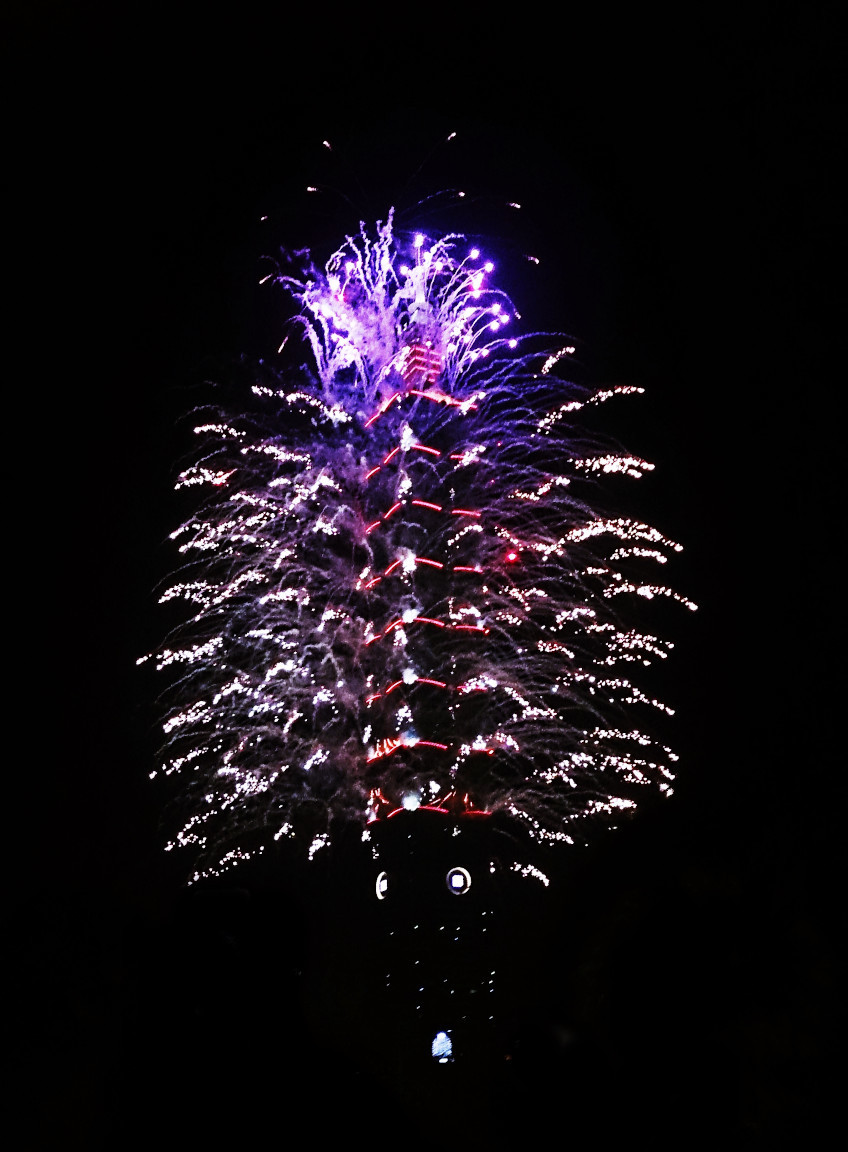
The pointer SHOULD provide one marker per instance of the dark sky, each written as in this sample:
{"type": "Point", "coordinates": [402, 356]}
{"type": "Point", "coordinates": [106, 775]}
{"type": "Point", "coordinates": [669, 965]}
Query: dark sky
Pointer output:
{"type": "Point", "coordinates": [679, 185]}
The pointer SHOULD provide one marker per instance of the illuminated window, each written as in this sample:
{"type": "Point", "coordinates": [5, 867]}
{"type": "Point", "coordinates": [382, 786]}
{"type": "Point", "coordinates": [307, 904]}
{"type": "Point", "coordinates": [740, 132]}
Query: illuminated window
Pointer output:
{"type": "Point", "coordinates": [458, 881]}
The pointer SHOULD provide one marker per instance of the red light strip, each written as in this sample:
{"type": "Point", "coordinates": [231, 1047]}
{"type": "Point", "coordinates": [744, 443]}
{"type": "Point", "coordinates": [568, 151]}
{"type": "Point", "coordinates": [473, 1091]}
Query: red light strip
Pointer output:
{"type": "Point", "coordinates": [392, 510]}
{"type": "Point", "coordinates": [464, 568]}
{"type": "Point", "coordinates": [463, 512]}
{"type": "Point", "coordinates": [383, 408]}
{"type": "Point", "coordinates": [424, 808]}
{"type": "Point", "coordinates": [397, 684]}
{"type": "Point", "coordinates": [419, 620]}
{"type": "Point", "coordinates": [470, 628]}
{"type": "Point", "coordinates": [391, 567]}
{"type": "Point", "coordinates": [385, 752]}
{"type": "Point", "coordinates": [371, 527]}
{"type": "Point", "coordinates": [427, 504]}
{"type": "Point", "coordinates": [392, 454]}
{"type": "Point", "coordinates": [432, 563]}
{"type": "Point", "coordinates": [424, 448]}
{"type": "Point", "coordinates": [368, 475]}
{"type": "Point", "coordinates": [439, 398]}
{"type": "Point", "coordinates": [376, 580]}
{"type": "Point", "coordinates": [378, 755]}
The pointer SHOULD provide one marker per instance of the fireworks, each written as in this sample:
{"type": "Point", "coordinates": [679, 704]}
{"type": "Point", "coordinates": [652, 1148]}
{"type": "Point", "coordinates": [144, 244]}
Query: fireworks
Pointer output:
{"type": "Point", "coordinates": [399, 588]}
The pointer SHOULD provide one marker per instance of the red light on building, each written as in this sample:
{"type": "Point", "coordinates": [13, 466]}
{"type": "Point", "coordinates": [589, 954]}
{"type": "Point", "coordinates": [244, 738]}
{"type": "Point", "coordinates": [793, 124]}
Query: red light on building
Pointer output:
{"type": "Point", "coordinates": [422, 366]}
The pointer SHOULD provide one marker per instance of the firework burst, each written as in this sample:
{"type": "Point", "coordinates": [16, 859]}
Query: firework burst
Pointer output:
{"type": "Point", "coordinates": [399, 587]}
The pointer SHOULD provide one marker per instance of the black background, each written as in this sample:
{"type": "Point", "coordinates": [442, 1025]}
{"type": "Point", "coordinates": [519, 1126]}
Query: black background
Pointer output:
{"type": "Point", "coordinates": [678, 182]}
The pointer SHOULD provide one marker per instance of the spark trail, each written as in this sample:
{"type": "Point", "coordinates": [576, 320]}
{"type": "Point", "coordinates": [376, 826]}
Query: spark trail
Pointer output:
{"type": "Point", "coordinates": [399, 586]}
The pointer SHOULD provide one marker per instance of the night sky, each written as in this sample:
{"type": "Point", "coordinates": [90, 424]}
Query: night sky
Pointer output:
{"type": "Point", "coordinates": [678, 184]}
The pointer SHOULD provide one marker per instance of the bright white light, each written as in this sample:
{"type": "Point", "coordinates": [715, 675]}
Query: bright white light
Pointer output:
{"type": "Point", "coordinates": [411, 802]}
{"type": "Point", "coordinates": [458, 881]}
{"type": "Point", "coordinates": [382, 886]}
{"type": "Point", "coordinates": [442, 1048]}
